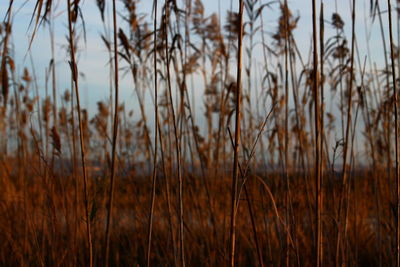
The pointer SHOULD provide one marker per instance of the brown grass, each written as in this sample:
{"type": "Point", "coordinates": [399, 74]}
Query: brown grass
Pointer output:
{"type": "Point", "coordinates": [309, 175]}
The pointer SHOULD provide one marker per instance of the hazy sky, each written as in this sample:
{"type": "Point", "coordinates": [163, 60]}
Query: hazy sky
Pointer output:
{"type": "Point", "coordinates": [93, 55]}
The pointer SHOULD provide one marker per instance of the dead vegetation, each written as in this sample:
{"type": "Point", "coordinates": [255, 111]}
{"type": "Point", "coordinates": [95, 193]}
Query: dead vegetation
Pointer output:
{"type": "Point", "coordinates": [287, 158]}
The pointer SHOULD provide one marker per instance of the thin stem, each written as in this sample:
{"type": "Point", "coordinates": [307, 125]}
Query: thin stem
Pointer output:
{"type": "Point", "coordinates": [396, 131]}
{"type": "Point", "coordinates": [348, 126]}
{"type": "Point", "coordinates": [81, 139]}
{"type": "Point", "coordinates": [317, 140]}
{"type": "Point", "coordinates": [114, 141]}
{"type": "Point", "coordinates": [321, 150]}
{"type": "Point", "coordinates": [177, 146]}
{"type": "Point", "coordinates": [237, 137]}
{"type": "Point", "coordinates": [154, 178]}
{"type": "Point", "coordinates": [288, 194]}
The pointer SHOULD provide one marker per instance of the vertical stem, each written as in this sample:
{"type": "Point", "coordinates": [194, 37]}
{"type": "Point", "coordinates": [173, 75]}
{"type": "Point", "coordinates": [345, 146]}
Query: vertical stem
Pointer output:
{"type": "Point", "coordinates": [154, 178]}
{"type": "Point", "coordinates": [82, 143]}
{"type": "Point", "coordinates": [74, 164]}
{"type": "Point", "coordinates": [396, 131]}
{"type": "Point", "coordinates": [177, 146]}
{"type": "Point", "coordinates": [114, 140]}
{"type": "Point", "coordinates": [321, 176]}
{"type": "Point", "coordinates": [387, 76]}
{"type": "Point", "coordinates": [317, 140]}
{"type": "Point", "coordinates": [3, 73]}
{"type": "Point", "coordinates": [53, 72]}
{"type": "Point", "coordinates": [348, 126]}
{"type": "Point", "coordinates": [288, 195]}
{"type": "Point", "coordinates": [237, 136]}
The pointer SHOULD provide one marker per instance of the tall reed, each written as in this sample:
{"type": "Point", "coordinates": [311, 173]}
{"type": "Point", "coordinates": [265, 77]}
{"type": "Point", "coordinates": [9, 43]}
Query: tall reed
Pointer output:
{"type": "Point", "coordinates": [237, 137]}
{"type": "Point", "coordinates": [114, 140]}
{"type": "Point", "coordinates": [346, 141]}
{"type": "Point", "coordinates": [317, 144]}
{"type": "Point", "coordinates": [396, 134]}
{"type": "Point", "coordinates": [156, 122]}
{"type": "Point", "coordinates": [74, 70]}
{"type": "Point", "coordinates": [177, 143]}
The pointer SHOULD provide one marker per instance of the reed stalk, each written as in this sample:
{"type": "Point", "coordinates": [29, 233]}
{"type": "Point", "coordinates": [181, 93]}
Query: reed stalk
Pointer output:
{"type": "Point", "coordinates": [396, 134]}
{"type": "Point", "coordinates": [321, 139]}
{"type": "Point", "coordinates": [74, 70]}
{"type": "Point", "coordinates": [317, 139]}
{"type": "Point", "coordinates": [156, 122]}
{"type": "Point", "coordinates": [177, 143]}
{"type": "Point", "coordinates": [237, 137]}
{"type": "Point", "coordinates": [347, 136]}
{"type": "Point", "coordinates": [114, 140]}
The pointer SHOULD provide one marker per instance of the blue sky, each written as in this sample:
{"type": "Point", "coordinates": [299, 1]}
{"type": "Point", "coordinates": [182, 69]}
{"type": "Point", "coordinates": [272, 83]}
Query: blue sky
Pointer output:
{"type": "Point", "coordinates": [91, 59]}
{"type": "Point", "coordinates": [93, 55]}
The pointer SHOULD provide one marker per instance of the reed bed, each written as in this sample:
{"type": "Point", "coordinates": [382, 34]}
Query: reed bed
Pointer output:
{"type": "Point", "coordinates": [242, 149]}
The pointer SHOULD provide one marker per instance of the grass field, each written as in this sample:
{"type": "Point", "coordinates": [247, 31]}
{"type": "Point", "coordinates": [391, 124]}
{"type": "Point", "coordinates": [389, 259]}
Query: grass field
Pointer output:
{"type": "Point", "coordinates": [243, 147]}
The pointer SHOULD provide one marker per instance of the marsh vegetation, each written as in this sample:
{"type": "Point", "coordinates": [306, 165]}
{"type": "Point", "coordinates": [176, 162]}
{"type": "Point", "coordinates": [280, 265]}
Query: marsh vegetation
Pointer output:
{"type": "Point", "coordinates": [244, 147]}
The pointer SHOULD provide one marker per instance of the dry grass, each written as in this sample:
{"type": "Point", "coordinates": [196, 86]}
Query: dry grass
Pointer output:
{"type": "Point", "coordinates": [174, 185]}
